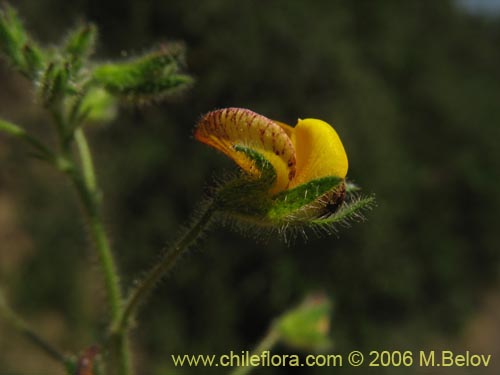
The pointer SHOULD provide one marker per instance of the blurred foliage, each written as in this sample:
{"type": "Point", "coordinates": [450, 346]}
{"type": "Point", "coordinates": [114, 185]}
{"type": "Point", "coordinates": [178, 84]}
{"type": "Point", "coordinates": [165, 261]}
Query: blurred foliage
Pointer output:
{"type": "Point", "coordinates": [307, 326]}
{"type": "Point", "coordinates": [412, 88]}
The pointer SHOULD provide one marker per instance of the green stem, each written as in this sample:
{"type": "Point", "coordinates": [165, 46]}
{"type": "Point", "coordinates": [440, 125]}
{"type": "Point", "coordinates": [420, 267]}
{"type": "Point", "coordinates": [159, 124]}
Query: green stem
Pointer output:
{"type": "Point", "coordinates": [86, 185]}
{"type": "Point", "coordinates": [108, 265]}
{"type": "Point", "coordinates": [120, 355]}
{"type": "Point", "coordinates": [138, 295]}
{"type": "Point", "coordinates": [86, 160]}
{"type": "Point", "coordinates": [267, 343]}
{"type": "Point", "coordinates": [22, 327]}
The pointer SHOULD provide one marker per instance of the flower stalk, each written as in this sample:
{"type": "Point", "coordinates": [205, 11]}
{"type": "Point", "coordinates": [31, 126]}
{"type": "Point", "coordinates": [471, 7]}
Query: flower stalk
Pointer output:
{"type": "Point", "coordinates": [159, 270]}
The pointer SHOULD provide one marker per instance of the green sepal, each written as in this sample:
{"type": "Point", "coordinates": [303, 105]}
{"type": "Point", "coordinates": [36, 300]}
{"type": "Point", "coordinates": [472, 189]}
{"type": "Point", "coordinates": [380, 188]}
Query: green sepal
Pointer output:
{"type": "Point", "coordinates": [150, 77]}
{"type": "Point", "coordinates": [307, 326]}
{"type": "Point", "coordinates": [267, 172]}
{"type": "Point", "coordinates": [79, 45]}
{"type": "Point", "coordinates": [54, 83]}
{"type": "Point", "coordinates": [12, 36]}
{"type": "Point", "coordinates": [21, 52]}
{"type": "Point", "coordinates": [288, 203]}
{"type": "Point", "coordinates": [34, 60]}
{"type": "Point", "coordinates": [249, 196]}
{"type": "Point", "coordinates": [155, 89]}
{"type": "Point", "coordinates": [347, 211]}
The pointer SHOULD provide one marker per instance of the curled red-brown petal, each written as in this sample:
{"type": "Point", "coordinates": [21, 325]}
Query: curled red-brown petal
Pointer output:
{"type": "Point", "coordinates": [226, 128]}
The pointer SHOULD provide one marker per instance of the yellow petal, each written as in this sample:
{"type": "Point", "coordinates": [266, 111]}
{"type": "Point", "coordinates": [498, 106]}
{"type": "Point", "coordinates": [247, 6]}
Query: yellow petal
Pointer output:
{"type": "Point", "coordinates": [289, 130]}
{"type": "Point", "coordinates": [223, 129]}
{"type": "Point", "coordinates": [319, 152]}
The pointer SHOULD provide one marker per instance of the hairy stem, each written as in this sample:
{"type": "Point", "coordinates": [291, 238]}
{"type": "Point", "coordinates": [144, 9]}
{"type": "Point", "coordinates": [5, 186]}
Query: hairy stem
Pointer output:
{"type": "Point", "coordinates": [86, 160]}
{"type": "Point", "coordinates": [267, 343]}
{"type": "Point", "coordinates": [139, 294]}
{"type": "Point", "coordinates": [86, 187]}
{"type": "Point", "coordinates": [86, 184]}
{"type": "Point", "coordinates": [22, 327]}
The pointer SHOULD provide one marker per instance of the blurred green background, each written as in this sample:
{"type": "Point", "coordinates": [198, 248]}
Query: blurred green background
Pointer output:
{"type": "Point", "coordinates": [412, 87]}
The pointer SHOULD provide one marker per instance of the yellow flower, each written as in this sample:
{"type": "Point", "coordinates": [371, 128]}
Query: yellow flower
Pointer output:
{"type": "Point", "coordinates": [309, 151]}
{"type": "Point", "coordinates": [295, 176]}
